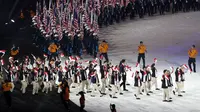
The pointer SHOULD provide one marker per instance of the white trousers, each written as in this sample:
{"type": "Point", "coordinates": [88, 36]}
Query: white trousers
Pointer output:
{"type": "Point", "coordinates": [119, 88]}
{"type": "Point", "coordinates": [178, 89]}
{"type": "Point", "coordinates": [154, 82]}
{"type": "Point", "coordinates": [59, 87]}
{"type": "Point", "coordinates": [170, 91]}
{"type": "Point", "coordinates": [114, 89]}
{"type": "Point", "coordinates": [24, 85]}
{"type": "Point", "coordinates": [83, 84]}
{"type": "Point", "coordinates": [46, 87]}
{"type": "Point", "coordinates": [103, 85]}
{"type": "Point", "coordinates": [149, 85]}
{"type": "Point", "coordinates": [13, 86]}
{"type": "Point", "coordinates": [138, 89]}
{"type": "Point", "coordinates": [35, 87]}
{"type": "Point", "coordinates": [94, 87]}
{"type": "Point", "coordinates": [182, 88]}
{"type": "Point", "coordinates": [166, 94]}
{"type": "Point", "coordinates": [144, 86]}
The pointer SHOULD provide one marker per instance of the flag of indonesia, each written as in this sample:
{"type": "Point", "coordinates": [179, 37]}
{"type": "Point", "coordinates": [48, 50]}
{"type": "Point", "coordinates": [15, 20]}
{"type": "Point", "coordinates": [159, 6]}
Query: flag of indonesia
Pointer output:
{"type": "Point", "coordinates": [62, 55]}
{"type": "Point", "coordinates": [3, 52]}
{"type": "Point", "coordinates": [45, 55]}
{"type": "Point", "coordinates": [2, 62]}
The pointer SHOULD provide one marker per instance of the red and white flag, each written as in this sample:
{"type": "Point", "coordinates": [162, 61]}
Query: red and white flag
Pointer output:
{"type": "Point", "coordinates": [3, 52]}
{"type": "Point", "coordinates": [62, 55]}
{"type": "Point", "coordinates": [71, 58]}
{"type": "Point", "coordinates": [2, 62]}
{"type": "Point", "coordinates": [155, 60]}
{"type": "Point", "coordinates": [45, 55]}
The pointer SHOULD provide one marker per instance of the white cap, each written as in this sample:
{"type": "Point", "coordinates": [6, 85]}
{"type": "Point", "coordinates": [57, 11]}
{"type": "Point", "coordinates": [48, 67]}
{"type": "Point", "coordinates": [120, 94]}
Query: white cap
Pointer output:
{"type": "Point", "coordinates": [94, 34]}
{"type": "Point", "coordinates": [79, 35]}
{"type": "Point", "coordinates": [91, 30]}
{"type": "Point", "coordinates": [66, 31]}
{"type": "Point", "coordinates": [34, 23]}
{"type": "Point", "coordinates": [54, 31]}
{"type": "Point", "coordinates": [47, 35]}
{"type": "Point", "coordinates": [88, 28]}
{"type": "Point", "coordinates": [56, 35]}
{"type": "Point", "coordinates": [69, 34]}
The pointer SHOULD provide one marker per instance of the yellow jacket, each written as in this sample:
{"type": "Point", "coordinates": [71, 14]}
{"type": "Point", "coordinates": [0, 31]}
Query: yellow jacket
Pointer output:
{"type": "Point", "coordinates": [103, 47]}
{"type": "Point", "coordinates": [14, 52]}
{"type": "Point", "coordinates": [7, 86]}
{"type": "Point", "coordinates": [53, 48]}
{"type": "Point", "coordinates": [192, 53]}
{"type": "Point", "coordinates": [142, 49]}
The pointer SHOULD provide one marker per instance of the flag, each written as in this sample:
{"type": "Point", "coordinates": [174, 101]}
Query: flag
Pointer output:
{"type": "Point", "coordinates": [75, 19]}
{"type": "Point", "coordinates": [62, 55]}
{"type": "Point", "coordinates": [155, 60]}
{"type": "Point", "coordinates": [2, 62]}
{"type": "Point", "coordinates": [45, 55]}
{"type": "Point", "coordinates": [71, 58]}
{"type": "Point", "coordinates": [44, 20]}
{"type": "Point", "coordinates": [77, 58]}
{"type": "Point", "coordinates": [2, 51]}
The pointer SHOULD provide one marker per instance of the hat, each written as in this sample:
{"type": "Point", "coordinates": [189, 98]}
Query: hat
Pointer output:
{"type": "Point", "coordinates": [47, 35]}
{"type": "Point", "coordinates": [164, 70]}
{"type": "Point", "coordinates": [79, 35]}
{"type": "Point", "coordinates": [91, 30]}
{"type": "Point", "coordinates": [56, 35]}
{"type": "Point", "coordinates": [66, 31]}
{"type": "Point", "coordinates": [77, 30]}
{"type": "Point", "coordinates": [94, 34]}
{"type": "Point", "coordinates": [44, 32]}
{"type": "Point", "coordinates": [34, 23]}
{"type": "Point", "coordinates": [69, 34]}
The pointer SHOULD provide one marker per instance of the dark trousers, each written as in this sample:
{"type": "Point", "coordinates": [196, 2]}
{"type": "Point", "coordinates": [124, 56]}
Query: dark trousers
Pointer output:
{"type": "Point", "coordinates": [7, 95]}
{"type": "Point", "coordinates": [81, 108]}
{"type": "Point", "coordinates": [123, 81]}
{"type": "Point", "coordinates": [192, 61]}
{"type": "Point", "coordinates": [53, 55]}
{"type": "Point", "coordinates": [105, 55]}
{"type": "Point", "coordinates": [141, 55]}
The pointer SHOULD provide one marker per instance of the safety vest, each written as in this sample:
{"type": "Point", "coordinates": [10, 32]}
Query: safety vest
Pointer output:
{"type": "Point", "coordinates": [103, 47]}
{"type": "Point", "coordinates": [192, 53]}
{"type": "Point", "coordinates": [141, 49]}
{"type": "Point", "coordinates": [7, 86]}
{"type": "Point", "coordinates": [53, 48]}
{"type": "Point", "coordinates": [14, 52]}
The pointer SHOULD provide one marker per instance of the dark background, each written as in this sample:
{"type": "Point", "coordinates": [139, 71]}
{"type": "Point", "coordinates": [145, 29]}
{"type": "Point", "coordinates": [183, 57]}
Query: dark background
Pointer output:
{"type": "Point", "coordinates": [10, 9]}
